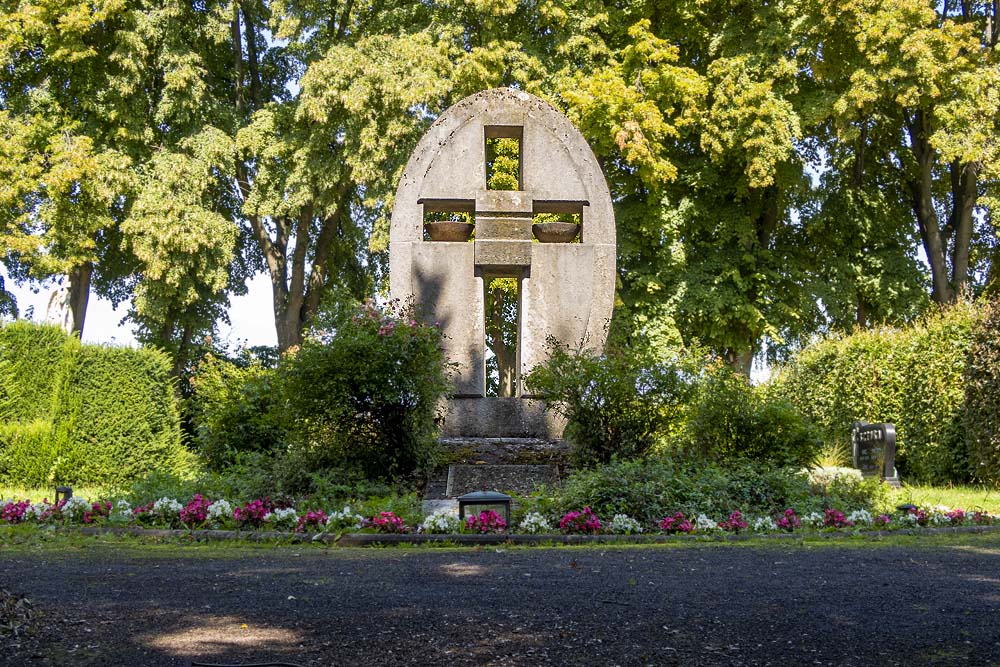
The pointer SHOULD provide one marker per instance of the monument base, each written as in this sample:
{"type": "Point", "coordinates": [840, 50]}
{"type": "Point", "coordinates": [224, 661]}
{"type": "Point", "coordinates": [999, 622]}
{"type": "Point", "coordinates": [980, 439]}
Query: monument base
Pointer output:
{"type": "Point", "coordinates": [501, 418]}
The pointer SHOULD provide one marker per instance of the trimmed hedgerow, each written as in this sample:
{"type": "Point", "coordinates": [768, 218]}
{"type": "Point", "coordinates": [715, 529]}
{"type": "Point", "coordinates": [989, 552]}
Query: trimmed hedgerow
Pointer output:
{"type": "Point", "coordinates": [913, 377]}
{"type": "Point", "coordinates": [34, 360]}
{"type": "Point", "coordinates": [119, 413]}
{"type": "Point", "coordinates": [982, 397]}
{"type": "Point", "coordinates": [84, 414]}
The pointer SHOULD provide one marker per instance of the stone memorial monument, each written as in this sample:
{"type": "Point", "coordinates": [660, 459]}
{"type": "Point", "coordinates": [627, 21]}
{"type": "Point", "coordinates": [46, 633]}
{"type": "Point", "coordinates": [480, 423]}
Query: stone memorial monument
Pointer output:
{"type": "Point", "coordinates": [874, 451]}
{"type": "Point", "coordinates": [565, 277]}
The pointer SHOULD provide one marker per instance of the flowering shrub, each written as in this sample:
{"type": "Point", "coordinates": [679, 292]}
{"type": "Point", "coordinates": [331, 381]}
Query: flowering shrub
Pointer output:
{"type": "Point", "coordinates": [835, 519]}
{"type": "Point", "coordinates": [97, 512]}
{"type": "Point", "coordinates": [623, 524]}
{"type": "Point", "coordinates": [702, 523]}
{"type": "Point", "coordinates": [196, 511]}
{"type": "Point", "coordinates": [882, 521]}
{"type": "Point", "coordinates": [345, 519]}
{"type": "Point", "coordinates": [860, 518]}
{"type": "Point", "coordinates": [734, 523]}
{"type": "Point", "coordinates": [441, 522]}
{"type": "Point", "coordinates": [488, 521]}
{"type": "Point", "coordinates": [74, 508]}
{"type": "Point", "coordinates": [982, 519]}
{"type": "Point", "coordinates": [762, 524]}
{"type": "Point", "coordinates": [387, 522]}
{"type": "Point", "coordinates": [285, 517]}
{"type": "Point", "coordinates": [813, 520]}
{"type": "Point", "coordinates": [251, 514]}
{"type": "Point", "coordinates": [677, 524]}
{"type": "Point", "coordinates": [956, 516]}
{"type": "Point", "coordinates": [580, 522]}
{"type": "Point", "coordinates": [122, 512]}
{"type": "Point", "coordinates": [533, 522]}
{"type": "Point", "coordinates": [788, 521]}
{"type": "Point", "coordinates": [14, 512]}
{"type": "Point", "coordinates": [44, 512]}
{"type": "Point", "coordinates": [311, 520]}
{"type": "Point", "coordinates": [219, 511]}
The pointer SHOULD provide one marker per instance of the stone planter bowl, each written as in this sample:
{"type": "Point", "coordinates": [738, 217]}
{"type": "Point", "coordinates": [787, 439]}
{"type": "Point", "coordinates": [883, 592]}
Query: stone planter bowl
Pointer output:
{"type": "Point", "coordinates": [555, 232]}
{"type": "Point", "coordinates": [449, 230]}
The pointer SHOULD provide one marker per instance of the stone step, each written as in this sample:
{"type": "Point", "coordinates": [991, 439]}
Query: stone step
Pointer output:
{"type": "Point", "coordinates": [505, 451]}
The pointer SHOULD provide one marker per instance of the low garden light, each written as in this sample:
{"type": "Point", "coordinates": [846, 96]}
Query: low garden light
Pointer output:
{"type": "Point", "coordinates": [476, 502]}
{"type": "Point", "coordinates": [63, 493]}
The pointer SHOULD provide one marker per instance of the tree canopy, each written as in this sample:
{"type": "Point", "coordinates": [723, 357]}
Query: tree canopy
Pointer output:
{"type": "Point", "coordinates": [778, 168]}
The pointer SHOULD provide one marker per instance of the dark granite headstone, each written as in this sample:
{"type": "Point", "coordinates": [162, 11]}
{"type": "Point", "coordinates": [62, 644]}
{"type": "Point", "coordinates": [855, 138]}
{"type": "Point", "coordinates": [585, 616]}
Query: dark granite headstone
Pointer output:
{"type": "Point", "coordinates": [875, 450]}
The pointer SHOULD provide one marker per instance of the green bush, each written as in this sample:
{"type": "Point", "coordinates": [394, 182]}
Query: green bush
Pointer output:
{"type": "Point", "coordinates": [982, 397]}
{"type": "Point", "coordinates": [732, 420]}
{"type": "Point", "coordinates": [232, 408]}
{"type": "Point", "coordinates": [35, 358]}
{"type": "Point", "coordinates": [84, 414]}
{"type": "Point", "coordinates": [364, 395]}
{"type": "Point", "coordinates": [912, 377]}
{"type": "Point", "coordinates": [120, 414]}
{"type": "Point", "coordinates": [649, 489]}
{"type": "Point", "coordinates": [621, 403]}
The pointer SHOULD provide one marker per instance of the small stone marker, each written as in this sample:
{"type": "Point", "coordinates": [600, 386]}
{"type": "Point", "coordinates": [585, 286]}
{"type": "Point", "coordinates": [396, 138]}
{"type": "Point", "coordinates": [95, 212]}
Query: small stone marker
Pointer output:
{"type": "Point", "coordinates": [875, 451]}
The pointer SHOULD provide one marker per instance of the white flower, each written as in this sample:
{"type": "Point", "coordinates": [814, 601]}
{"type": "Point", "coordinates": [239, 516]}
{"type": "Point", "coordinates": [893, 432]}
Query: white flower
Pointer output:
{"type": "Point", "coordinates": [38, 510]}
{"type": "Point", "coordinates": [282, 517]}
{"type": "Point", "coordinates": [220, 509]}
{"type": "Point", "coordinates": [826, 476]}
{"type": "Point", "coordinates": [622, 524]}
{"type": "Point", "coordinates": [74, 508]}
{"type": "Point", "coordinates": [702, 522]}
{"type": "Point", "coordinates": [122, 511]}
{"type": "Point", "coordinates": [167, 508]}
{"type": "Point", "coordinates": [860, 518]}
{"type": "Point", "coordinates": [441, 521]}
{"type": "Point", "coordinates": [813, 519]}
{"type": "Point", "coordinates": [762, 524]}
{"type": "Point", "coordinates": [533, 522]}
{"type": "Point", "coordinates": [909, 519]}
{"type": "Point", "coordinates": [345, 518]}
{"type": "Point", "coordinates": [938, 517]}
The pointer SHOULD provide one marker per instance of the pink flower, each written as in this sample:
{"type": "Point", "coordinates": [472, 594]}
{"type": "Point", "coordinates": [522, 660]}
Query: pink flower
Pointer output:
{"type": "Point", "coordinates": [676, 524]}
{"type": "Point", "coordinates": [788, 521]}
{"type": "Point", "coordinates": [486, 522]}
{"type": "Point", "coordinates": [835, 519]}
{"type": "Point", "coordinates": [734, 523]}
{"type": "Point", "coordinates": [387, 522]}
{"type": "Point", "coordinates": [580, 522]}
{"type": "Point", "coordinates": [196, 511]}
{"type": "Point", "coordinates": [14, 512]}
{"type": "Point", "coordinates": [883, 520]}
{"type": "Point", "coordinates": [311, 519]}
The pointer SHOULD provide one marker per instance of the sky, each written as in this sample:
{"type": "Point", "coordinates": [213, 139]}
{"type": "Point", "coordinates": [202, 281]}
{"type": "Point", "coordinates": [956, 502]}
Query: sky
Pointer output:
{"type": "Point", "coordinates": [251, 315]}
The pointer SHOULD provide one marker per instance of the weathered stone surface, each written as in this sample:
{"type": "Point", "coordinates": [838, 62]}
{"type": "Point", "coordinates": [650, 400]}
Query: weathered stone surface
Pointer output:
{"type": "Point", "coordinates": [501, 418]}
{"type": "Point", "coordinates": [517, 479]}
{"type": "Point", "coordinates": [569, 289]}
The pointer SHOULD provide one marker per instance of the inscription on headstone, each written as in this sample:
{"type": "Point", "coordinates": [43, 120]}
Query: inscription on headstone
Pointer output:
{"type": "Point", "coordinates": [875, 450]}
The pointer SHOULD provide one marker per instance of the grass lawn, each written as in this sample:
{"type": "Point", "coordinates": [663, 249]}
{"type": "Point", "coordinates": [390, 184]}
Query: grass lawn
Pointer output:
{"type": "Point", "coordinates": [966, 497]}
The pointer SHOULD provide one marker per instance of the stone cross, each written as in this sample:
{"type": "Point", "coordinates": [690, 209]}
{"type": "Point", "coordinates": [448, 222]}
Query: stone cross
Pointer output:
{"type": "Point", "coordinates": [566, 289]}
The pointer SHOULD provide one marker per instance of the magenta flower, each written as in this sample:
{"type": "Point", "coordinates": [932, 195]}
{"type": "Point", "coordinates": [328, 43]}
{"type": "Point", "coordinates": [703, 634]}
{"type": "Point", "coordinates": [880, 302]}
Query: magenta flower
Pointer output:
{"type": "Point", "coordinates": [676, 524]}
{"type": "Point", "coordinates": [486, 522]}
{"type": "Point", "coordinates": [835, 519]}
{"type": "Point", "coordinates": [580, 522]}
{"type": "Point", "coordinates": [13, 512]}
{"type": "Point", "coordinates": [734, 523]}
{"type": "Point", "coordinates": [387, 522]}
{"type": "Point", "coordinates": [788, 521]}
{"type": "Point", "coordinates": [311, 520]}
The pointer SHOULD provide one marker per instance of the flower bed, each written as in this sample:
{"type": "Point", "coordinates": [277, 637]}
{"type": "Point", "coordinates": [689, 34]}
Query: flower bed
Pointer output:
{"type": "Point", "coordinates": [264, 515]}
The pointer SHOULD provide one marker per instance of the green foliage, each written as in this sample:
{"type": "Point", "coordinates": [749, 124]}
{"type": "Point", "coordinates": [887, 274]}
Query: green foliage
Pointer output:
{"type": "Point", "coordinates": [86, 414]}
{"type": "Point", "coordinates": [34, 358]}
{"type": "Point", "coordinates": [233, 410]}
{"type": "Point", "coordinates": [119, 411]}
{"type": "Point", "coordinates": [982, 397]}
{"type": "Point", "coordinates": [365, 394]}
{"type": "Point", "coordinates": [911, 377]}
{"type": "Point", "coordinates": [620, 403]}
{"type": "Point", "coordinates": [649, 489]}
{"type": "Point", "coordinates": [731, 420]}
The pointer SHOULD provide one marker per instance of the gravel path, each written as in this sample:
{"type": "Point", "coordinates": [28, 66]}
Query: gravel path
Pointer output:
{"type": "Point", "coordinates": [694, 606]}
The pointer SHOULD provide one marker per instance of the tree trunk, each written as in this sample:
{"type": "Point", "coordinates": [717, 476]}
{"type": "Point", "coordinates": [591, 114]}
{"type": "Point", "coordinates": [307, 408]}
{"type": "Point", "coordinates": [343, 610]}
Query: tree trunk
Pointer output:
{"type": "Point", "coordinates": [79, 294]}
{"type": "Point", "coordinates": [921, 185]}
{"type": "Point", "coordinates": [964, 196]}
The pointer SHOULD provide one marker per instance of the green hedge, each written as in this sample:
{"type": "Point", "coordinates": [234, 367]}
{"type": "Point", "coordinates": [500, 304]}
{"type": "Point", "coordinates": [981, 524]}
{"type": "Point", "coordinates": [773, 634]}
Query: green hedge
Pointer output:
{"type": "Point", "coordinates": [33, 358]}
{"type": "Point", "coordinates": [982, 397]}
{"type": "Point", "coordinates": [912, 377]}
{"type": "Point", "coordinates": [86, 414]}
